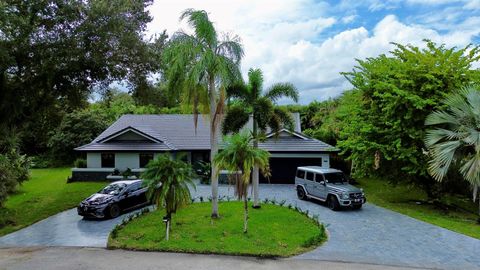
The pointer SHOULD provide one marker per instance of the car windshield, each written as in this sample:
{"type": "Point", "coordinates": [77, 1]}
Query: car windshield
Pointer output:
{"type": "Point", "coordinates": [335, 178]}
{"type": "Point", "coordinates": [113, 189]}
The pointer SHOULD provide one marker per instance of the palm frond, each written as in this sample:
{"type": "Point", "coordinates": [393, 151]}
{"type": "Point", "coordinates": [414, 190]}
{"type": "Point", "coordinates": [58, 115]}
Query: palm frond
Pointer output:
{"type": "Point", "coordinates": [169, 181]}
{"type": "Point", "coordinates": [280, 90]}
{"type": "Point", "coordinates": [231, 47]}
{"type": "Point", "coordinates": [201, 24]}
{"type": "Point", "coordinates": [239, 155]}
{"type": "Point", "coordinates": [236, 118]}
{"type": "Point", "coordinates": [237, 90]}
{"type": "Point", "coordinates": [255, 83]}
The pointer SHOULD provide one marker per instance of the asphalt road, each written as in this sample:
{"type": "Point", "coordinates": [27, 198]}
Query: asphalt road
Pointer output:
{"type": "Point", "coordinates": [62, 258]}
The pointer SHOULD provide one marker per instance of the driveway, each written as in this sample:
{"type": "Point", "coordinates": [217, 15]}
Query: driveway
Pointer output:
{"type": "Point", "coordinates": [372, 235]}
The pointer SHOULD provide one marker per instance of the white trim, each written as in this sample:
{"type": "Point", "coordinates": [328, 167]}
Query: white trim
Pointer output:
{"type": "Point", "coordinates": [129, 129]}
{"type": "Point", "coordinates": [298, 155]}
{"type": "Point", "coordinates": [288, 131]}
{"type": "Point", "coordinates": [92, 169]}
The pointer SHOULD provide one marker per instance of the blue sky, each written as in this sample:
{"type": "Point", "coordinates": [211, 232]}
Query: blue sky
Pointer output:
{"type": "Point", "coordinates": [309, 42]}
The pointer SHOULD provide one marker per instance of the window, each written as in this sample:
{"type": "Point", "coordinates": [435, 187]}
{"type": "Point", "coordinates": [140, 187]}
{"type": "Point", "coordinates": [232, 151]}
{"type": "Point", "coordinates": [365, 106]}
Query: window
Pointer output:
{"type": "Point", "coordinates": [108, 160]}
{"type": "Point", "coordinates": [145, 158]}
{"type": "Point", "coordinates": [318, 177]}
{"type": "Point", "coordinates": [134, 187]}
{"type": "Point", "coordinates": [310, 176]}
{"type": "Point", "coordinates": [300, 174]}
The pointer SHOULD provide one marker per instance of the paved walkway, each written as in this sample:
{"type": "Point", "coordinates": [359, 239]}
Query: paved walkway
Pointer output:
{"type": "Point", "coordinates": [62, 258]}
{"type": "Point", "coordinates": [372, 235]}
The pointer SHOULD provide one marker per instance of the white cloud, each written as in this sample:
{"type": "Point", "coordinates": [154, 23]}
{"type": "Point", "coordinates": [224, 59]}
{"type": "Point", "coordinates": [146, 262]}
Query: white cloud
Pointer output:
{"type": "Point", "coordinates": [349, 19]}
{"type": "Point", "coordinates": [291, 40]}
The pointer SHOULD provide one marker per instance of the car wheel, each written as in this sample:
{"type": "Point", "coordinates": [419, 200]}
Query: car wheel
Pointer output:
{"type": "Point", "coordinates": [301, 193]}
{"type": "Point", "coordinates": [114, 211]}
{"type": "Point", "coordinates": [333, 203]}
{"type": "Point", "coordinates": [357, 207]}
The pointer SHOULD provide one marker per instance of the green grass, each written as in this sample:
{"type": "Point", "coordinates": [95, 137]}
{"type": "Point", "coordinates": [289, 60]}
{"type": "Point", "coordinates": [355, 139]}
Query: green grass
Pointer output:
{"type": "Point", "coordinates": [272, 231]}
{"type": "Point", "coordinates": [45, 194]}
{"type": "Point", "coordinates": [456, 213]}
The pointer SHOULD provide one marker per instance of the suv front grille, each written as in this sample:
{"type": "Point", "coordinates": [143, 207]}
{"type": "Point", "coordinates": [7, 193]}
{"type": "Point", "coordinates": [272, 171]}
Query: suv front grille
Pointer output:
{"type": "Point", "coordinates": [355, 195]}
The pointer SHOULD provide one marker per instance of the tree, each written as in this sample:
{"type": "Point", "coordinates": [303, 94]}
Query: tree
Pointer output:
{"type": "Point", "coordinates": [456, 137]}
{"type": "Point", "coordinates": [384, 134]}
{"type": "Point", "coordinates": [168, 180]}
{"type": "Point", "coordinates": [55, 53]}
{"type": "Point", "coordinates": [76, 129]}
{"type": "Point", "coordinates": [239, 156]}
{"type": "Point", "coordinates": [249, 99]}
{"type": "Point", "coordinates": [201, 65]}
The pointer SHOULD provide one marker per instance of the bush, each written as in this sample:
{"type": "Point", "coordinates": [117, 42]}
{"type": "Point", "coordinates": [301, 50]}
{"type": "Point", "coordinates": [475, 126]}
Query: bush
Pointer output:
{"type": "Point", "coordinates": [203, 170]}
{"type": "Point", "coordinates": [40, 162]}
{"type": "Point", "coordinates": [80, 163]}
{"type": "Point", "coordinates": [14, 169]}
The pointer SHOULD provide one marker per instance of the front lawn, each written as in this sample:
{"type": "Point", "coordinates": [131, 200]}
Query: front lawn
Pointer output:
{"type": "Point", "coordinates": [45, 194]}
{"type": "Point", "coordinates": [273, 231]}
{"type": "Point", "coordinates": [455, 213]}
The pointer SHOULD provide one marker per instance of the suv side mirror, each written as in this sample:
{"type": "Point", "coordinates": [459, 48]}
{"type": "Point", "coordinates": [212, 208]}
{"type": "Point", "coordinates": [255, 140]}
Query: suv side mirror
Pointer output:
{"type": "Point", "coordinates": [322, 183]}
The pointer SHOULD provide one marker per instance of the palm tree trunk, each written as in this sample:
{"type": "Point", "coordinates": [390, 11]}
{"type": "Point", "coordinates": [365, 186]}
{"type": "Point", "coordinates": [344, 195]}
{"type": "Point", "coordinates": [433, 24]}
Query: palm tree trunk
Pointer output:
{"type": "Point", "coordinates": [245, 208]}
{"type": "Point", "coordinates": [213, 146]}
{"type": "Point", "coordinates": [255, 173]}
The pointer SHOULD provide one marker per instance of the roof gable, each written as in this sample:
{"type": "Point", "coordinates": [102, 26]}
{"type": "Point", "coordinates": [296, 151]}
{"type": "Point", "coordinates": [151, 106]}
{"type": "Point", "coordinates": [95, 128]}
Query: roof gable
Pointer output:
{"type": "Point", "coordinates": [129, 134]}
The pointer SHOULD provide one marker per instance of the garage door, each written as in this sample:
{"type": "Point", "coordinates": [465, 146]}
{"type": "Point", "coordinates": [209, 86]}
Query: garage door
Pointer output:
{"type": "Point", "coordinates": [283, 169]}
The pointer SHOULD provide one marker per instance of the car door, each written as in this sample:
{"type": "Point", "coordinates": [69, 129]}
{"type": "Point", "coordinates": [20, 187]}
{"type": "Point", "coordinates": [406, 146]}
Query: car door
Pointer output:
{"type": "Point", "coordinates": [127, 198]}
{"type": "Point", "coordinates": [310, 183]}
{"type": "Point", "coordinates": [320, 186]}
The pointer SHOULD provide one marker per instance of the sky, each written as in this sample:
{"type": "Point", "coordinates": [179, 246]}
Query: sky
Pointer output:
{"type": "Point", "coordinates": [308, 43]}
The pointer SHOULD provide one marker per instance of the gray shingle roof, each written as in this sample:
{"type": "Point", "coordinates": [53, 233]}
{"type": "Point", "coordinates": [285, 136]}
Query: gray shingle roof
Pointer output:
{"type": "Point", "coordinates": [176, 132]}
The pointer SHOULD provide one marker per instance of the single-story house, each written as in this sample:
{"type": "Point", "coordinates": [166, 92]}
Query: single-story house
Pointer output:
{"type": "Point", "coordinates": [133, 140]}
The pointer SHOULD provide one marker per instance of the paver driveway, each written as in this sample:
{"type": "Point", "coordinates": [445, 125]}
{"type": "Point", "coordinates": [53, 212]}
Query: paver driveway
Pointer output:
{"type": "Point", "coordinates": [371, 235]}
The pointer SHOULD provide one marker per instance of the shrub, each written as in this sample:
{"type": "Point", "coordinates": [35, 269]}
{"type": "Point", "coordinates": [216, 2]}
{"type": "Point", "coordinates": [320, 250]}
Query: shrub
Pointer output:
{"type": "Point", "coordinates": [80, 163]}
{"type": "Point", "coordinates": [40, 162]}
{"type": "Point", "coordinates": [203, 170]}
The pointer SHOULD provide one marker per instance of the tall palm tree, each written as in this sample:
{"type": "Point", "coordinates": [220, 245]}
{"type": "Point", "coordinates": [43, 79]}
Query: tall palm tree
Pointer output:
{"type": "Point", "coordinates": [249, 99]}
{"type": "Point", "coordinates": [239, 156]}
{"type": "Point", "coordinates": [168, 180]}
{"type": "Point", "coordinates": [201, 65]}
{"type": "Point", "coordinates": [456, 137]}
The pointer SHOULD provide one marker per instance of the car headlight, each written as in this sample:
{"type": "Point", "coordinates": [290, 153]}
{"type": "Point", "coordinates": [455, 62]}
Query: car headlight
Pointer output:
{"type": "Point", "coordinates": [345, 195]}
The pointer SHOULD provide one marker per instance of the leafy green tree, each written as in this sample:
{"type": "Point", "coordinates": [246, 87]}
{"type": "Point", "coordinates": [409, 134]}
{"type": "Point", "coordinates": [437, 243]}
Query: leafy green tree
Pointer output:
{"type": "Point", "coordinates": [55, 53]}
{"type": "Point", "coordinates": [201, 65]}
{"type": "Point", "coordinates": [76, 129]}
{"type": "Point", "coordinates": [456, 137]}
{"type": "Point", "coordinates": [249, 99]}
{"type": "Point", "coordinates": [116, 103]}
{"type": "Point", "coordinates": [239, 156]}
{"type": "Point", "coordinates": [168, 181]}
{"type": "Point", "coordinates": [384, 134]}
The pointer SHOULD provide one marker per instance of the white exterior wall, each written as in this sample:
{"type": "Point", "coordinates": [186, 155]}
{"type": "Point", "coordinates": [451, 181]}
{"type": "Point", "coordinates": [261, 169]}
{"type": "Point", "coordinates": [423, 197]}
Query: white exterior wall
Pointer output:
{"type": "Point", "coordinates": [127, 160]}
{"type": "Point", "coordinates": [94, 160]}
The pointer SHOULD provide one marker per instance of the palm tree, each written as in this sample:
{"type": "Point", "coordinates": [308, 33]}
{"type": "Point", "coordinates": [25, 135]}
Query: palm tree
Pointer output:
{"type": "Point", "coordinates": [457, 137]}
{"type": "Point", "coordinates": [249, 99]}
{"type": "Point", "coordinates": [201, 65]}
{"type": "Point", "coordinates": [239, 156]}
{"type": "Point", "coordinates": [168, 180]}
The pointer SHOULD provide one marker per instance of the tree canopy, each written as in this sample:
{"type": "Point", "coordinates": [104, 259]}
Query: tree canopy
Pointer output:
{"type": "Point", "coordinates": [383, 134]}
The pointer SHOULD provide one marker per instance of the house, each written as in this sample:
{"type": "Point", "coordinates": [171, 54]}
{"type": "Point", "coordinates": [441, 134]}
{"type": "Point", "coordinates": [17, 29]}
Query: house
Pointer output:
{"type": "Point", "coordinates": [133, 140]}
